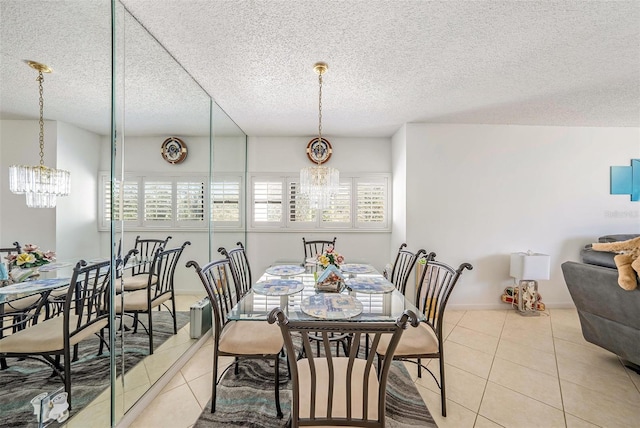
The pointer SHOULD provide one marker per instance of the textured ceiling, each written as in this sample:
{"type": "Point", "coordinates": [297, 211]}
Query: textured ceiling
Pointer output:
{"type": "Point", "coordinates": [566, 63]}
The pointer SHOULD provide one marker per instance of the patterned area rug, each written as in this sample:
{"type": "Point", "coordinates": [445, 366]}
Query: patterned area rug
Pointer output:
{"type": "Point", "coordinates": [24, 379]}
{"type": "Point", "coordinates": [247, 399]}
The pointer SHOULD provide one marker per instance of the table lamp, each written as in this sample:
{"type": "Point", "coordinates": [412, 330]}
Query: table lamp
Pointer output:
{"type": "Point", "coordinates": [527, 268]}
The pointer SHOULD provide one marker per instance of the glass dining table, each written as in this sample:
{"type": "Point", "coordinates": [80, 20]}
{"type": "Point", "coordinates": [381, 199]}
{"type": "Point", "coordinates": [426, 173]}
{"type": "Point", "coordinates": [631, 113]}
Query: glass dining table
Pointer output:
{"type": "Point", "coordinates": [365, 296]}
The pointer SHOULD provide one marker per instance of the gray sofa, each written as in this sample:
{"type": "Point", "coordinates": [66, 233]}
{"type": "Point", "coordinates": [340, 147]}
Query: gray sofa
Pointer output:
{"type": "Point", "coordinates": [609, 315]}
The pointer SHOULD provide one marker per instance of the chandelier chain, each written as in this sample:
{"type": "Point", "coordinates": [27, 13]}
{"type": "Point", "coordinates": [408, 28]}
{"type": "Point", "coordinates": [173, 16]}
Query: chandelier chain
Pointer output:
{"type": "Point", "coordinates": [41, 136]}
{"type": "Point", "coordinates": [320, 109]}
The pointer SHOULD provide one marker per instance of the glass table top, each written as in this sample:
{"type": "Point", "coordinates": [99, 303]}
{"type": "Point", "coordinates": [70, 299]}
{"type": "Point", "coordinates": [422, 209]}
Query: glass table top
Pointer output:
{"type": "Point", "coordinates": [375, 306]}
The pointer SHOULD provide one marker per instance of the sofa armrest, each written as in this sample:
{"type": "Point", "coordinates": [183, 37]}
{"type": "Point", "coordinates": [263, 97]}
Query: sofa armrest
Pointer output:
{"type": "Point", "coordinates": [595, 289]}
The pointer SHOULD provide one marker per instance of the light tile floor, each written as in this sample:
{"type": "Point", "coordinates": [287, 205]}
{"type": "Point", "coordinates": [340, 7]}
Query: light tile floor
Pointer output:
{"type": "Point", "coordinates": [502, 370]}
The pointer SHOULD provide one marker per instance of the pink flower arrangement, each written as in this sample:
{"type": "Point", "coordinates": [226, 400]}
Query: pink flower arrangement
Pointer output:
{"type": "Point", "coordinates": [31, 257]}
{"type": "Point", "coordinates": [330, 257]}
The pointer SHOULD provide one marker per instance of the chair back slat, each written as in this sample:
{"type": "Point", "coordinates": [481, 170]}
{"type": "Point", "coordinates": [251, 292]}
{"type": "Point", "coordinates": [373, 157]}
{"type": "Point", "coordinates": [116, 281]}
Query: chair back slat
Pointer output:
{"type": "Point", "coordinates": [164, 267]}
{"type": "Point", "coordinates": [240, 268]}
{"type": "Point", "coordinates": [315, 247]}
{"type": "Point", "coordinates": [403, 265]}
{"type": "Point", "coordinates": [87, 296]}
{"type": "Point", "coordinates": [9, 251]}
{"type": "Point", "coordinates": [434, 289]}
{"type": "Point", "coordinates": [222, 294]}
{"type": "Point", "coordinates": [326, 377]}
{"type": "Point", "coordinates": [146, 251]}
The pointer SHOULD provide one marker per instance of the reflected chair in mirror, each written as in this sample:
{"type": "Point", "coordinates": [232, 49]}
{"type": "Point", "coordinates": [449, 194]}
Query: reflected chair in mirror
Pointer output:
{"type": "Point", "coordinates": [85, 313]}
{"type": "Point", "coordinates": [427, 341]}
{"type": "Point", "coordinates": [240, 269]}
{"type": "Point", "coordinates": [339, 391]}
{"type": "Point", "coordinates": [158, 292]}
{"type": "Point", "coordinates": [137, 278]}
{"type": "Point", "coordinates": [238, 339]}
{"type": "Point", "coordinates": [315, 247]}
{"type": "Point", "coordinates": [15, 308]}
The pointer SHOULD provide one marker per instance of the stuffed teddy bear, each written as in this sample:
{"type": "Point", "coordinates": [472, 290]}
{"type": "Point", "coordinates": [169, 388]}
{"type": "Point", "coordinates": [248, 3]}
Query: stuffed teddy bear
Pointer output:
{"type": "Point", "coordinates": [627, 260]}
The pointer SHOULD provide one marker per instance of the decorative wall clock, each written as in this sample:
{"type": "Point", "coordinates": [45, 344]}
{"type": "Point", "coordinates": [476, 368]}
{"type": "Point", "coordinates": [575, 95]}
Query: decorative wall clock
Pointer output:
{"type": "Point", "coordinates": [319, 151]}
{"type": "Point", "coordinates": [174, 150]}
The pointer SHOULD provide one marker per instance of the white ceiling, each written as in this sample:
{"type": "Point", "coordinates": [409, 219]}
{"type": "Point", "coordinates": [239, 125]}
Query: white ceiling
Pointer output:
{"type": "Point", "coordinates": [567, 63]}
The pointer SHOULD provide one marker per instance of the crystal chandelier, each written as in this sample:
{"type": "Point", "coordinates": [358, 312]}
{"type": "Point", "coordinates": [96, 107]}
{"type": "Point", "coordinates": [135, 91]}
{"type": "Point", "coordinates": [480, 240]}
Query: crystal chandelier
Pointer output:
{"type": "Point", "coordinates": [40, 184]}
{"type": "Point", "coordinates": [319, 183]}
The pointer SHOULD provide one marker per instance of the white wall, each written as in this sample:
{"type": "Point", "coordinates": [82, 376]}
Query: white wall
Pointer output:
{"type": "Point", "coordinates": [399, 165]}
{"type": "Point", "coordinates": [19, 146]}
{"type": "Point", "coordinates": [76, 215]}
{"type": "Point", "coordinates": [287, 155]}
{"type": "Point", "coordinates": [476, 193]}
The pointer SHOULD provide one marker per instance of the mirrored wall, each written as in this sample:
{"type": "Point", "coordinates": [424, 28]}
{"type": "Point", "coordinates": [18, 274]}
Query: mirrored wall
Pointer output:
{"type": "Point", "coordinates": [122, 185]}
{"type": "Point", "coordinates": [179, 172]}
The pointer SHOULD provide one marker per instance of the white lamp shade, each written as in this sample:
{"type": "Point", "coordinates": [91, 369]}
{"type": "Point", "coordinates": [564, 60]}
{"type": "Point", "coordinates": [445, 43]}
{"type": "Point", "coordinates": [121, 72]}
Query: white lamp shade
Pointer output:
{"type": "Point", "coordinates": [529, 265]}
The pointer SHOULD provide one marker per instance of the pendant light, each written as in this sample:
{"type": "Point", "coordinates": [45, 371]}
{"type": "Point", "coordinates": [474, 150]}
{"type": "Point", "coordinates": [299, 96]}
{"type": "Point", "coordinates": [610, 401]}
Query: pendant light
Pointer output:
{"type": "Point", "coordinates": [41, 184]}
{"type": "Point", "coordinates": [320, 183]}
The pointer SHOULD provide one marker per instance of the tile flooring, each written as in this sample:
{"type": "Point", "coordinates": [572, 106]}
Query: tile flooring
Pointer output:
{"type": "Point", "coordinates": [503, 370]}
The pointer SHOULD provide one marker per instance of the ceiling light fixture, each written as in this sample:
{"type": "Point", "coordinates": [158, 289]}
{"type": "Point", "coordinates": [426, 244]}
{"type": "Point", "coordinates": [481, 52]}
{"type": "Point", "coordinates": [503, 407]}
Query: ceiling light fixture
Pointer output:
{"type": "Point", "coordinates": [40, 184]}
{"type": "Point", "coordinates": [319, 183]}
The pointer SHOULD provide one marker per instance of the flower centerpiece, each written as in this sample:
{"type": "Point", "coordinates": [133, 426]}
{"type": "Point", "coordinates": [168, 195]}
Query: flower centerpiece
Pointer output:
{"type": "Point", "coordinates": [331, 279]}
{"type": "Point", "coordinates": [25, 264]}
{"type": "Point", "coordinates": [330, 257]}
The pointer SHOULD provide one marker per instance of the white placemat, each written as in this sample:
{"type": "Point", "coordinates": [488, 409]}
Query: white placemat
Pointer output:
{"type": "Point", "coordinates": [357, 268]}
{"type": "Point", "coordinates": [278, 287]}
{"type": "Point", "coordinates": [371, 285]}
{"type": "Point", "coordinates": [331, 306]}
{"type": "Point", "coordinates": [285, 270]}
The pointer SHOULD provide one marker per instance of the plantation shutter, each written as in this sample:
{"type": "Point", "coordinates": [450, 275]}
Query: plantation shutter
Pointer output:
{"type": "Point", "coordinates": [339, 212]}
{"type": "Point", "coordinates": [129, 201]}
{"type": "Point", "coordinates": [371, 202]}
{"type": "Point", "coordinates": [225, 200]}
{"type": "Point", "coordinates": [267, 201]}
{"type": "Point", "coordinates": [300, 210]}
{"type": "Point", "coordinates": [158, 199]}
{"type": "Point", "coordinates": [190, 197]}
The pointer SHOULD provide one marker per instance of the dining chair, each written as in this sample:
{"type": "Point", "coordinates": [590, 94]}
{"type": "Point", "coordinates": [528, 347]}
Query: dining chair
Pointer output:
{"type": "Point", "coordinates": [240, 269]}
{"type": "Point", "coordinates": [427, 341]}
{"type": "Point", "coordinates": [158, 292]}
{"type": "Point", "coordinates": [330, 391]}
{"type": "Point", "coordinates": [18, 308]}
{"type": "Point", "coordinates": [315, 247]}
{"type": "Point", "coordinates": [145, 250]}
{"type": "Point", "coordinates": [85, 313]}
{"type": "Point", "coordinates": [238, 339]}
{"type": "Point", "coordinates": [403, 265]}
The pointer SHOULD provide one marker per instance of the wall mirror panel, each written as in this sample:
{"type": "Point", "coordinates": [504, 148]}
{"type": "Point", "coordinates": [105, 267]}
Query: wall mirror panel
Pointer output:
{"type": "Point", "coordinates": [199, 200]}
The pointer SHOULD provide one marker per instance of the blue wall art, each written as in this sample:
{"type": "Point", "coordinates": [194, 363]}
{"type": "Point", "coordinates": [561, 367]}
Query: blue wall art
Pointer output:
{"type": "Point", "coordinates": [625, 180]}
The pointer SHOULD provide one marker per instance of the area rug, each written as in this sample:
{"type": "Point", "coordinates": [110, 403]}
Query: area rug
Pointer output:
{"type": "Point", "coordinates": [247, 399]}
{"type": "Point", "coordinates": [24, 379]}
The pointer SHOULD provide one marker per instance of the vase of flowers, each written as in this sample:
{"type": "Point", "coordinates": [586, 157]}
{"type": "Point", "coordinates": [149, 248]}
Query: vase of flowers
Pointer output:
{"type": "Point", "coordinates": [330, 257]}
{"type": "Point", "coordinates": [331, 279]}
{"type": "Point", "coordinates": [24, 266]}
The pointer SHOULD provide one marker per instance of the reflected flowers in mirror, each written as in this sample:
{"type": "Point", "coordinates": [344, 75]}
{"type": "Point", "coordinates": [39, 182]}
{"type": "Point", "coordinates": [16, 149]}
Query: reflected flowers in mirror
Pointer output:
{"type": "Point", "coordinates": [31, 257]}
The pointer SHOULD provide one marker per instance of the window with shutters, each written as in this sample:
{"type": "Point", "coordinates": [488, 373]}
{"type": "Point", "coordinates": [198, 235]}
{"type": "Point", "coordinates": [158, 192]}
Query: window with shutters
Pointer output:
{"type": "Point", "coordinates": [158, 201]}
{"type": "Point", "coordinates": [225, 200]}
{"type": "Point", "coordinates": [163, 201]}
{"type": "Point", "coordinates": [125, 200]}
{"type": "Point", "coordinates": [362, 203]}
{"type": "Point", "coordinates": [267, 197]}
